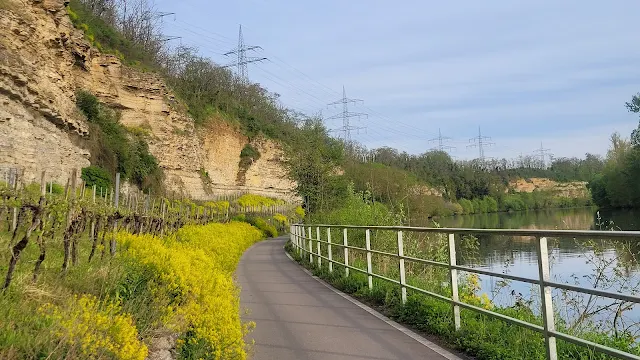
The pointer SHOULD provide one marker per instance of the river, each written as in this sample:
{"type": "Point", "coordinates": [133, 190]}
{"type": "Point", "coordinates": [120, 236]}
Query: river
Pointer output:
{"type": "Point", "coordinates": [611, 266]}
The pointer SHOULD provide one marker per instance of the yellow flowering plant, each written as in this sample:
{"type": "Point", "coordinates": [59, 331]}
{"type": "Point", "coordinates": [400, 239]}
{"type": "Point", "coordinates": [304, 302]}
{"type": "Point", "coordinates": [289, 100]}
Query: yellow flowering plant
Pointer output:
{"type": "Point", "coordinates": [196, 264]}
{"type": "Point", "coordinates": [94, 328]}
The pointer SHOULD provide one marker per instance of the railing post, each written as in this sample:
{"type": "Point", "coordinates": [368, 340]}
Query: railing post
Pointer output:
{"type": "Point", "coordinates": [546, 299]}
{"type": "Point", "coordinates": [301, 240]}
{"type": "Point", "coordinates": [453, 273]}
{"type": "Point", "coordinates": [291, 237]}
{"type": "Point", "coordinates": [329, 251]}
{"type": "Point", "coordinates": [369, 267]}
{"type": "Point", "coordinates": [310, 248]}
{"type": "Point", "coordinates": [346, 252]}
{"type": "Point", "coordinates": [403, 281]}
{"type": "Point", "coordinates": [318, 242]}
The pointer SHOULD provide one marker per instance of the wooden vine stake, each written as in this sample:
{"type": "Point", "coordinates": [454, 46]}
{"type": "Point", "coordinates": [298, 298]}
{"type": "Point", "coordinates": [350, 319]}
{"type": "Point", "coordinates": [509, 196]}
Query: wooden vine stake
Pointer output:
{"type": "Point", "coordinates": [22, 244]}
{"type": "Point", "coordinates": [112, 244]}
{"type": "Point", "coordinates": [70, 216]}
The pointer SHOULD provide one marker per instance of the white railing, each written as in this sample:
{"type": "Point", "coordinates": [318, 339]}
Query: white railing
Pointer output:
{"type": "Point", "coordinates": [303, 239]}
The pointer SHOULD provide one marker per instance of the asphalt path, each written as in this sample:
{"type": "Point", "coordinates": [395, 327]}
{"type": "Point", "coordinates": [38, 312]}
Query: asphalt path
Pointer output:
{"type": "Point", "coordinates": [297, 317]}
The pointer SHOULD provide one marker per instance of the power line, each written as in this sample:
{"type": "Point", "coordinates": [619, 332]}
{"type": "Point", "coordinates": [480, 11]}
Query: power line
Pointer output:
{"type": "Point", "coordinates": [346, 115]}
{"type": "Point", "coordinates": [242, 59]}
{"type": "Point", "coordinates": [543, 153]}
{"type": "Point", "coordinates": [441, 140]}
{"type": "Point", "coordinates": [326, 90]}
{"type": "Point", "coordinates": [480, 142]}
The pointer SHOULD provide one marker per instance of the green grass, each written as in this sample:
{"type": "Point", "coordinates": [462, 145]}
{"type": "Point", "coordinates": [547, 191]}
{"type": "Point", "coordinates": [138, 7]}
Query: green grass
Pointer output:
{"type": "Point", "coordinates": [25, 332]}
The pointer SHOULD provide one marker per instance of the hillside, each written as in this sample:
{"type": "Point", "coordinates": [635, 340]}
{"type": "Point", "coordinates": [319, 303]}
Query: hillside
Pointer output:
{"type": "Point", "coordinates": [44, 60]}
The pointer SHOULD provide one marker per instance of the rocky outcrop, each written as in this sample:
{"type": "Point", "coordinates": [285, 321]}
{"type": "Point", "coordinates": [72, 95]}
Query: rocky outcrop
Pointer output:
{"type": "Point", "coordinates": [44, 60]}
{"type": "Point", "coordinates": [40, 127]}
{"type": "Point", "coordinates": [573, 189]}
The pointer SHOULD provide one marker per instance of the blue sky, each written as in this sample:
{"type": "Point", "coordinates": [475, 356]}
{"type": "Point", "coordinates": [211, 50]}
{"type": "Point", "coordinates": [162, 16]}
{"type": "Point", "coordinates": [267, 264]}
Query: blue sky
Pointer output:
{"type": "Point", "coordinates": [550, 72]}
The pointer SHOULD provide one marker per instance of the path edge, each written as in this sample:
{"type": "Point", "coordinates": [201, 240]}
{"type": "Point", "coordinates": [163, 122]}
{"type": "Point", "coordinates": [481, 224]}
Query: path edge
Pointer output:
{"type": "Point", "coordinates": [408, 332]}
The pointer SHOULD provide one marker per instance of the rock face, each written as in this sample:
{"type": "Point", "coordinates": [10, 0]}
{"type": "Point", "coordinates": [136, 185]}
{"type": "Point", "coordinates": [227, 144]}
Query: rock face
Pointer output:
{"type": "Point", "coordinates": [44, 60]}
{"type": "Point", "coordinates": [574, 189]}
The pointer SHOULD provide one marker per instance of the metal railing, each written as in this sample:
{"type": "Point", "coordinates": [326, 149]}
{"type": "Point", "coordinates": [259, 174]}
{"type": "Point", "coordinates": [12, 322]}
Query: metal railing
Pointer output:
{"type": "Point", "coordinates": [303, 239]}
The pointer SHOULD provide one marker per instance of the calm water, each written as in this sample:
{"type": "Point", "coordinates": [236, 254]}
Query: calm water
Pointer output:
{"type": "Point", "coordinates": [572, 261]}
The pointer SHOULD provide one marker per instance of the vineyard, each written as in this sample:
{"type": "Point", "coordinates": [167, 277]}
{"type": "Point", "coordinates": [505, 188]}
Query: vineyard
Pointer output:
{"type": "Point", "coordinates": [46, 212]}
{"type": "Point", "coordinates": [99, 271]}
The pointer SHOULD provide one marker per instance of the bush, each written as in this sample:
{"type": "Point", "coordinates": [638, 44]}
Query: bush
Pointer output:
{"type": "Point", "coordinates": [467, 206]}
{"type": "Point", "coordinates": [268, 229]}
{"type": "Point", "coordinates": [114, 149]}
{"type": "Point", "coordinates": [249, 152]}
{"type": "Point", "coordinates": [247, 200]}
{"type": "Point", "coordinates": [195, 267]}
{"type": "Point", "coordinates": [95, 175]}
{"type": "Point", "coordinates": [513, 203]}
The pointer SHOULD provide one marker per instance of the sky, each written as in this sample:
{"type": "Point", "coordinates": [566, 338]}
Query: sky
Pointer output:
{"type": "Point", "coordinates": [529, 75]}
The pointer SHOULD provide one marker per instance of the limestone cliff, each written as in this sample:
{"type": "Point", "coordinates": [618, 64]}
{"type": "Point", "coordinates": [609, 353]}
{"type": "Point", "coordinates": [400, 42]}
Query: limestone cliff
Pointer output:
{"type": "Point", "coordinates": [44, 60]}
{"type": "Point", "coordinates": [573, 189]}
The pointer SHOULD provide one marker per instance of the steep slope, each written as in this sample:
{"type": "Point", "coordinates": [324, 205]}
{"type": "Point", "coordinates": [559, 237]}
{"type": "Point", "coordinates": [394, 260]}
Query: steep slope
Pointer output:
{"type": "Point", "coordinates": [44, 60]}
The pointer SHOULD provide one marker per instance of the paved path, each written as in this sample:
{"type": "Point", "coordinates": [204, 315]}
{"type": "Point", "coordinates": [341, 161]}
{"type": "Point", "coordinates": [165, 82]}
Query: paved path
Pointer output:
{"type": "Point", "coordinates": [299, 318]}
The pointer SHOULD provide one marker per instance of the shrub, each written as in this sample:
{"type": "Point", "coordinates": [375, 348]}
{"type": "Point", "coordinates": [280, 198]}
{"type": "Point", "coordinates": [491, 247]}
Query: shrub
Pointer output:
{"type": "Point", "coordinates": [281, 219]}
{"type": "Point", "coordinates": [467, 206]}
{"type": "Point", "coordinates": [95, 175]}
{"type": "Point", "coordinates": [218, 207]}
{"type": "Point", "coordinates": [268, 229]}
{"type": "Point", "coordinates": [91, 327]}
{"type": "Point", "coordinates": [196, 266]}
{"type": "Point", "coordinates": [250, 152]}
{"type": "Point", "coordinates": [115, 149]}
{"type": "Point", "coordinates": [247, 200]}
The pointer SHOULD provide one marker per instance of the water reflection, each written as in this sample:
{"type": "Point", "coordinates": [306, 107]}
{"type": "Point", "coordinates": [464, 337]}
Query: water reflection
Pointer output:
{"type": "Point", "coordinates": [572, 261]}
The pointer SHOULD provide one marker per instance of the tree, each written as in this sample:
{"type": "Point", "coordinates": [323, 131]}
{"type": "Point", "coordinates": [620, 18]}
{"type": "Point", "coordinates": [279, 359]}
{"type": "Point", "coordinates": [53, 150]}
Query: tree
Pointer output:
{"type": "Point", "coordinates": [634, 106]}
{"type": "Point", "coordinates": [313, 160]}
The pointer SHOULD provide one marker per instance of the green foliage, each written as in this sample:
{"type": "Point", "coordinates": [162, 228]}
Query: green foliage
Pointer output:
{"type": "Point", "coordinates": [95, 175]}
{"type": "Point", "coordinates": [312, 161]}
{"type": "Point", "coordinates": [358, 209]}
{"type": "Point", "coordinates": [56, 189]}
{"type": "Point", "coordinates": [248, 200]}
{"type": "Point", "coordinates": [267, 229]}
{"type": "Point", "coordinates": [114, 149]}
{"type": "Point", "coordinates": [474, 179]}
{"type": "Point", "coordinates": [250, 152]}
{"type": "Point", "coordinates": [618, 185]}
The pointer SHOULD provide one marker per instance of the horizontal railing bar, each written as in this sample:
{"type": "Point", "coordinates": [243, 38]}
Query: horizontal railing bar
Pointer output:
{"type": "Point", "coordinates": [477, 309]}
{"type": "Point", "coordinates": [336, 262]}
{"type": "Point", "coordinates": [596, 292]}
{"type": "Point", "coordinates": [491, 273]}
{"type": "Point", "coordinates": [513, 232]}
{"type": "Point", "coordinates": [441, 297]}
{"type": "Point", "coordinates": [436, 263]}
{"type": "Point", "coordinates": [601, 348]}
{"type": "Point", "coordinates": [539, 233]}
{"type": "Point", "coordinates": [357, 269]}
{"type": "Point", "coordinates": [427, 262]}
